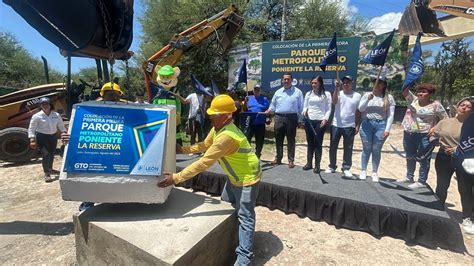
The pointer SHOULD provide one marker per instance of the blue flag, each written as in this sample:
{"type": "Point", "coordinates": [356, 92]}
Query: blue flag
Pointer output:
{"type": "Point", "coordinates": [214, 87]}
{"type": "Point", "coordinates": [417, 68]}
{"type": "Point", "coordinates": [241, 76]}
{"type": "Point", "coordinates": [330, 57]}
{"type": "Point", "coordinates": [199, 88]}
{"type": "Point", "coordinates": [378, 55]}
{"type": "Point", "coordinates": [465, 147]}
{"type": "Point", "coordinates": [246, 120]}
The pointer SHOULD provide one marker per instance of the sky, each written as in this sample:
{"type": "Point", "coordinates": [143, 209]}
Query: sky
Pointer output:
{"type": "Point", "coordinates": [383, 17]}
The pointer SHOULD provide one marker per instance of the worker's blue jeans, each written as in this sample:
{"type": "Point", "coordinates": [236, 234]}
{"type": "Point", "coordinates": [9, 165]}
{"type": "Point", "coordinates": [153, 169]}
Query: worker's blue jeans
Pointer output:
{"type": "Point", "coordinates": [417, 143]}
{"type": "Point", "coordinates": [243, 200]}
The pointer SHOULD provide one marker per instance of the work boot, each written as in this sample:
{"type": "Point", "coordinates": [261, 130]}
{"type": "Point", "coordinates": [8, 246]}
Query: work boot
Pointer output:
{"type": "Point", "coordinates": [291, 165]}
{"type": "Point", "coordinates": [276, 162]}
{"type": "Point", "coordinates": [317, 169]}
{"type": "Point", "coordinates": [55, 172]}
{"type": "Point", "coordinates": [47, 178]}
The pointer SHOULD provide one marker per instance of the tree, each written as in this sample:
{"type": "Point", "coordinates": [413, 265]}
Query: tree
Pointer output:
{"type": "Point", "coordinates": [317, 19]}
{"type": "Point", "coordinates": [18, 68]}
{"type": "Point", "coordinates": [164, 18]}
{"type": "Point", "coordinates": [453, 63]}
{"type": "Point", "coordinates": [305, 19]}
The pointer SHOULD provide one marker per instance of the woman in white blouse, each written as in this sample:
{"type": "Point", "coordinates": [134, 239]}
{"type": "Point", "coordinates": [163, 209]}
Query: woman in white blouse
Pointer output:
{"type": "Point", "coordinates": [316, 111]}
{"type": "Point", "coordinates": [42, 132]}
{"type": "Point", "coordinates": [377, 108]}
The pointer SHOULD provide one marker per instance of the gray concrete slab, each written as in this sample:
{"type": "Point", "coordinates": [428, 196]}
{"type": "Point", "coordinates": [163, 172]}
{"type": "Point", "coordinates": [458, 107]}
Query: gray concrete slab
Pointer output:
{"type": "Point", "coordinates": [188, 229]}
{"type": "Point", "coordinates": [118, 188]}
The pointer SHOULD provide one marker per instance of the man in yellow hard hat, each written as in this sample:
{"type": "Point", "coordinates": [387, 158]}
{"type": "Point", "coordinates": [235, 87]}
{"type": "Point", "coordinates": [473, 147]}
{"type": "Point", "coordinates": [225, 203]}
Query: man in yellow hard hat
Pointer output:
{"type": "Point", "coordinates": [110, 92]}
{"type": "Point", "coordinates": [226, 144]}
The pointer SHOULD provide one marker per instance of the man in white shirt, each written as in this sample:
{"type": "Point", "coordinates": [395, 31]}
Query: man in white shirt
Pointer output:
{"type": "Point", "coordinates": [345, 123]}
{"type": "Point", "coordinates": [42, 133]}
{"type": "Point", "coordinates": [196, 116]}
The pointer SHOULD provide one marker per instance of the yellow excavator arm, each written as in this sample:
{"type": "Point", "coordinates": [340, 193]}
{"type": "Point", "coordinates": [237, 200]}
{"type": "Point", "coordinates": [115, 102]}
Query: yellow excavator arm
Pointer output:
{"type": "Point", "coordinates": [420, 16]}
{"type": "Point", "coordinates": [191, 37]}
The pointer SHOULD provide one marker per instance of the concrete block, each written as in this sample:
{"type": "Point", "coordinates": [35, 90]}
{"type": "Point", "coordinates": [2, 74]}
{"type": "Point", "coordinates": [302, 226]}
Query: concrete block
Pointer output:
{"type": "Point", "coordinates": [188, 229]}
{"type": "Point", "coordinates": [121, 187]}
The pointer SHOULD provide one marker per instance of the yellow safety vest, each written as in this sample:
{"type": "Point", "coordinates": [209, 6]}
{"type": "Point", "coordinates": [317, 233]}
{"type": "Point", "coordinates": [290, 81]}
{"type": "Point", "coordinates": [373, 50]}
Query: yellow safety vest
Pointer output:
{"type": "Point", "coordinates": [242, 167]}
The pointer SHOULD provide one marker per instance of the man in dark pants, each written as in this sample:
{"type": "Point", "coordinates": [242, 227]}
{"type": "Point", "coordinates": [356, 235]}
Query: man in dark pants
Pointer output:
{"type": "Point", "coordinates": [345, 123]}
{"type": "Point", "coordinates": [256, 103]}
{"type": "Point", "coordinates": [287, 103]}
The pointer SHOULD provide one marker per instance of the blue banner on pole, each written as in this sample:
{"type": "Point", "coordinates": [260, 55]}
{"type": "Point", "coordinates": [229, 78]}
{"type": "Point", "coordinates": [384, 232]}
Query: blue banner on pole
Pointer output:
{"type": "Point", "coordinates": [242, 73]}
{"type": "Point", "coordinates": [465, 148]}
{"type": "Point", "coordinates": [114, 140]}
{"type": "Point", "coordinates": [378, 55]}
{"type": "Point", "coordinates": [198, 87]}
{"type": "Point", "coordinates": [330, 57]}
{"type": "Point", "coordinates": [247, 119]}
{"type": "Point", "coordinates": [417, 67]}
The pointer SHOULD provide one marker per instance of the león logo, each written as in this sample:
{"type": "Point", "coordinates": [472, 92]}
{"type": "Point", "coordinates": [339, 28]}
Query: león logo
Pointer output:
{"type": "Point", "coordinates": [378, 52]}
{"type": "Point", "coordinates": [415, 69]}
{"type": "Point", "coordinates": [329, 53]}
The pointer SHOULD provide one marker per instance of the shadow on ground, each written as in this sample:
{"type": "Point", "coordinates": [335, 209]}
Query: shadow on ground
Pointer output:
{"type": "Point", "coordinates": [36, 228]}
{"type": "Point", "coordinates": [266, 246]}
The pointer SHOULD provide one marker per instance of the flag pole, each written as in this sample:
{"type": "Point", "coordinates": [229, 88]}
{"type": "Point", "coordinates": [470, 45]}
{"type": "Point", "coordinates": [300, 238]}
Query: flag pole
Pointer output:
{"type": "Point", "coordinates": [378, 76]}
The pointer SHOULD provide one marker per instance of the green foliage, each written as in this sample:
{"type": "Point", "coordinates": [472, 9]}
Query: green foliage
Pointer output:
{"type": "Point", "coordinates": [18, 68]}
{"type": "Point", "coordinates": [133, 82]}
{"type": "Point", "coordinates": [317, 19]}
{"type": "Point", "coordinates": [464, 86]}
{"type": "Point", "coordinates": [452, 69]}
{"type": "Point", "coordinates": [305, 19]}
{"type": "Point", "coordinates": [162, 19]}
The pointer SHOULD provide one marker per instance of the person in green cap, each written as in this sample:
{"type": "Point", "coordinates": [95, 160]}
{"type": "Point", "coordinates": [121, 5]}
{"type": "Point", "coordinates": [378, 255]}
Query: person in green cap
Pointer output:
{"type": "Point", "coordinates": [167, 78]}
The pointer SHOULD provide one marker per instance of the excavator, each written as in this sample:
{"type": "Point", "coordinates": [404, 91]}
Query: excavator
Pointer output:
{"type": "Point", "coordinates": [97, 29]}
{"type": "Point", "coordinates": [229, 20]}
{"type": "Point", "coordinates": [420, 16]}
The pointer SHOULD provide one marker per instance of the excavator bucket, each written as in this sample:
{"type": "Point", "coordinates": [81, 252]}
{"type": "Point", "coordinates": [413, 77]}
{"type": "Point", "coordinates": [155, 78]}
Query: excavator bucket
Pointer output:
{"type": "Point", "coordinates": [236, 22]}
{"type": "Point", "coordinates": [79, 27]}
{"type": "Point", "coordinates": [418, 18]}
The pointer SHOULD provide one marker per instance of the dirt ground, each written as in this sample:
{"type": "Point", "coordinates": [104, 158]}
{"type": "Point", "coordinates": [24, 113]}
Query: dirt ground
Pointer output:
{"type": "Point", "coordinates": [36, 224]}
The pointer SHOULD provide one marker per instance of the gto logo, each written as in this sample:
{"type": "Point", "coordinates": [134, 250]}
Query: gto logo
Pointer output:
{"type": "Point", "coordinates": [81, 165]}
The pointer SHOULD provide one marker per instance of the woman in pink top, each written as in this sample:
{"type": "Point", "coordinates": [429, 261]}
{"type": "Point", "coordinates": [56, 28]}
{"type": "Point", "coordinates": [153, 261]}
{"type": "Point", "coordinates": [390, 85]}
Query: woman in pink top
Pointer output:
{"type": "Point", "coordinates": [421, 116]}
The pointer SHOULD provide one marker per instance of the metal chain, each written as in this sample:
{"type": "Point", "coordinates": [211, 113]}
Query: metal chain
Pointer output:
{"type": "Point", "coordinates": [108, 41]}
{"type": "Point", "coordinates": [127, 77]}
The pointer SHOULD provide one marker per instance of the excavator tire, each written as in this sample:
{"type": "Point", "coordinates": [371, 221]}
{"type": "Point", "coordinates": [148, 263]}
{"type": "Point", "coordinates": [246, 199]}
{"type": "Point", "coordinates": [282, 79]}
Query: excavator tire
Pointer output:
{"type": "Point", "coordinates": [15, 145]}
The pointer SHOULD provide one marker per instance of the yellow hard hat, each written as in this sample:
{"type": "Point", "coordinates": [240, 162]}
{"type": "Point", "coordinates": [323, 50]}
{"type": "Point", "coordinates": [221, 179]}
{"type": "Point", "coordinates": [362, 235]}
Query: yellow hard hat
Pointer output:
{"type": "Point", "coordinates": [222, 104]}
{"type": "Point", "coordinates": [108, 87]}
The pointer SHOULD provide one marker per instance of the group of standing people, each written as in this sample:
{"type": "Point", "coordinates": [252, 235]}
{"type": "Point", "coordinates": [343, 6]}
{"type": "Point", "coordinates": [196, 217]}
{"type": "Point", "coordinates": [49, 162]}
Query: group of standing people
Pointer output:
{"type": "Point", "coordinates": [372, 115]}
{"type": "Point", "coordinates": [375, 110]}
